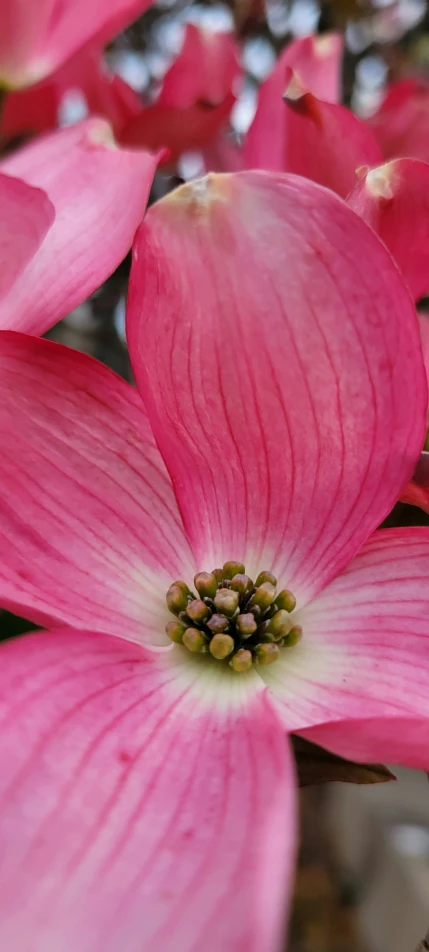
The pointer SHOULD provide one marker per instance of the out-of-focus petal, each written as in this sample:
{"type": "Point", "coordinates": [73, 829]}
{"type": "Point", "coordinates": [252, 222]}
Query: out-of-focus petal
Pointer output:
{"type": "Point", "coordinates": [23, 25]}
{"type": "Point", "coordinates": [295, 132]}
{"type": "Point", "coordinates": [90, 532]}
{"type": "Point", "coordinates": [197, 96]}
{"type": "Point", "coordinates": [394, 201]}
{"type": "Point", "coordinates": [103, 93]}
{"type": "Point", "coordinates": [26, 216]}
{"type": "Point", "coordinates": [401, 124]}
{"type": "Point", "coordinates": [316, 62]}
{"type": "Point", "coordinates": [365, 646]}
{"type": "Point", "coordinates": [99, 192]}
{"type": "Point", "coordinates": [38, 37]}
{"type": "Point", "coordinates": [416, 492]}
{"type": "Point", "coordinates": [276, 348]}
{"type": "Point", "coordinates": [136, 810]}
{"type": "Point", "coordinates": [400, 740]}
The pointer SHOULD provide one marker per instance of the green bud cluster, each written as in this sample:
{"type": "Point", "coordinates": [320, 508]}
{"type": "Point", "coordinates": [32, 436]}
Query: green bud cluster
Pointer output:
{"type": "Point", "coordinates": [233, 618]}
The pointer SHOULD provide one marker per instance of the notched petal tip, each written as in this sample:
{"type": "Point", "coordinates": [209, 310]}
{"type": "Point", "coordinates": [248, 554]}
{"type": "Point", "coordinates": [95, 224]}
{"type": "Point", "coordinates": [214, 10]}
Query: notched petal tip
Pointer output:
{"type": "Point", "coordinates": [380, 182]}
{"type": "Point", "coordinates": [100, 132]}
{"type": "Point", "coordinates": [200, 194]}
{"type": "Point", "coordinates": [294, 89]}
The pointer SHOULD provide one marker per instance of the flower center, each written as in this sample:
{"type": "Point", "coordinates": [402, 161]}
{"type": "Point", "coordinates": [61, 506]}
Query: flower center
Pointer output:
{"type": "Point", "coordinates": [235, 619]}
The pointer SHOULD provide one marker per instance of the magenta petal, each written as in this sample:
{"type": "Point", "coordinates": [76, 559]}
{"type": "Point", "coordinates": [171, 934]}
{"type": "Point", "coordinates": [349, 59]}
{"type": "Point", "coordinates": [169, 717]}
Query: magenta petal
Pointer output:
{"type": "Point", "coordinates": [87, 179]}
{"type": "Point", "coordinates": [399, 740]}
{"type": "Point", "coordinates": [196, 98]}
{"type": "Point", "coordinates": [134, 813]}
{"type": "Point", "coordinates": [38, 37]}
{"type": "Point", "coordinates": [295, 132]}
{"type": "Point", "coordinates": [316, 61]}
{"type": "Point", "coordinates": [37, 108]}
{"type": "Point", "coordinates": [90, 533]}
{"type": "Point", "coordinates": [401, 124]}
{"type": "Point", "coordinates": [365, 647]}
{"type": "Point", "coordinates": [394, 201]}
{"type": "Point", "coordinates": [276, 348]}
{"type": "Point", "coordinates": [26, 215]}
{"type": "Point", "coordinates": [23, 26]}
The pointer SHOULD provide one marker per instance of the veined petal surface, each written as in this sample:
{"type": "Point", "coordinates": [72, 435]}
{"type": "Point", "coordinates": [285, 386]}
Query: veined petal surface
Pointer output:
{"type": "Point", "coordinates": [90, 532]}
{"type": "Point", "coordinates": [364, 654]}
{"type": "Point", "coordinates": [276, 348]}
{"type": "Point", "coordinates": [138, 809]}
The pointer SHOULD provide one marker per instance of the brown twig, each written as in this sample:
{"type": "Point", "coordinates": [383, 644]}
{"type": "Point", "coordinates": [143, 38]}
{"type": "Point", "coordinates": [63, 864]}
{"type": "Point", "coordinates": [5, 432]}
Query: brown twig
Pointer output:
{"type": "Point", "coordinates": [424, 945]}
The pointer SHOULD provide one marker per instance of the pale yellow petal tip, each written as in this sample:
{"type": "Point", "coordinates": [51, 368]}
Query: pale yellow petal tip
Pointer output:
{"type": "Point", "coordinates": [380, 181]}
{"type": "Point", "coordinates": [200, 193]}
{"type": "Point", "coordinates": [325, 45]}
{"type": "Point", "coordinates": [294, 90]}
{"type": "Point", "coordinates": [101, 133]}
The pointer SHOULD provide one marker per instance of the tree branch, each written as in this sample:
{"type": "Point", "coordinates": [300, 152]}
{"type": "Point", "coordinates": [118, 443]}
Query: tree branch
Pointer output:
{"type": "Point", "coordinates": [424, 945]}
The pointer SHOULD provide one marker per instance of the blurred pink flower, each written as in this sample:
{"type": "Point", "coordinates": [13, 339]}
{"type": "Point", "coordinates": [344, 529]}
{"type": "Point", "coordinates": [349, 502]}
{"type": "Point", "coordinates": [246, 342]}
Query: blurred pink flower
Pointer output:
{"type": "Point", "coordinates": [401, 124]}
{"type": "Point", "coordinates": [98, 192]}
{"type": "Point", "coordinates": [196, 98]}
{"type": "Point", "coordinates": [147, 792]}
{"type": "Point", "coordinates": [38, 36]}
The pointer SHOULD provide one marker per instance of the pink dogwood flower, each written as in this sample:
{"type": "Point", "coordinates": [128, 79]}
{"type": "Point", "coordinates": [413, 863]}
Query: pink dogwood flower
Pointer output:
{"type": "Point", "coordinates": [300, 126]}
{"type": "Point", "coordinates": [146, 787]}
{"type": "Point", "coordinates": [196, 98]}
{"type": "Point", "coordinates": [38, 36]}
{"type": "Point", "coordinates": [88, 178]}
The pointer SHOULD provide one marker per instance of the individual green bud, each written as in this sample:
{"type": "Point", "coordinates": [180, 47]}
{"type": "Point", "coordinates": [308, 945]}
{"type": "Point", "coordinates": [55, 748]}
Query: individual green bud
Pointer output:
{"type": "Point", "coordinates": [198, 611]}
{"type": "Point", "coordinates": [241, 584]}
{"type": "Point", "coordinates": [221, 646]}
{"type": "Point", "coordinates": [194, 641]}
{"type": "Point", "coordinates": [279, 624]}
{"type": "Point", "coordinates": [264, 596]}
{"type": "Point", "coordinates": [218, 574]}
{"type": "Point", "coordinates": [206, 584]}
{"type": "Point", "coordinates": [286, 600]}
{"type": "Point", "coordinates": [233, 568]}
{"type": "Point", "coordinates": [177, 599]}
{"type": "Point", "coordinates": [226, 601]}
{"type": "Point", "coordinates": [185, 588]}
{"type": "Point", "coordinates": [265, 637]}
{"type": "Point", "coordinates": [293, 636]}
{"type": "Point", "coordinates": [246, 624]}
{"type": "Point", "coordinates": [266, 654]}
{"type": "Point", "coordinates": [242, 660]}
{"type": "Point", "coordinates": [175, 631]}
{"type": "Point", "coordinates": [266, 577]}
{"type": "Point", "coordinates": [218, 623]}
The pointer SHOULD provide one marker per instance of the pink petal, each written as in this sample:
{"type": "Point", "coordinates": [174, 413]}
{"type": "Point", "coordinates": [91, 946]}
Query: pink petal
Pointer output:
{"type": "Point", "coordinates": [401, 124]}
{"type": "Point", "coordinates": [394, 200]}
{"type": "Point", "coordinates": [365, 649]}
{"type": "Point", "coordinates": [23, 24]}
{"type": "Point", "coordinates": [89, 527]}
{"type": "Point", "coordinates": [37, 38]}
{"type": "Point", "coordinates": [400, 740]}
{"type": "Point", "coordinates": [316, 61]}
{"type": "Point", "coordinates": [135, 811]}
{"type": "Point", "coordinates": [37, 109]}
{"type": "Point", "coordinates": [27, 214]}
{"type": "Point", "coordinates": [276, 349]}
{"type": "Point", "coordinates": [196, 98]}
{"type": "Point", "coordinates": [88, 179]}
{"type": "Point", "coordinates": [295, 132]}
{"type": "Point", "coordinates": [416, 492]}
